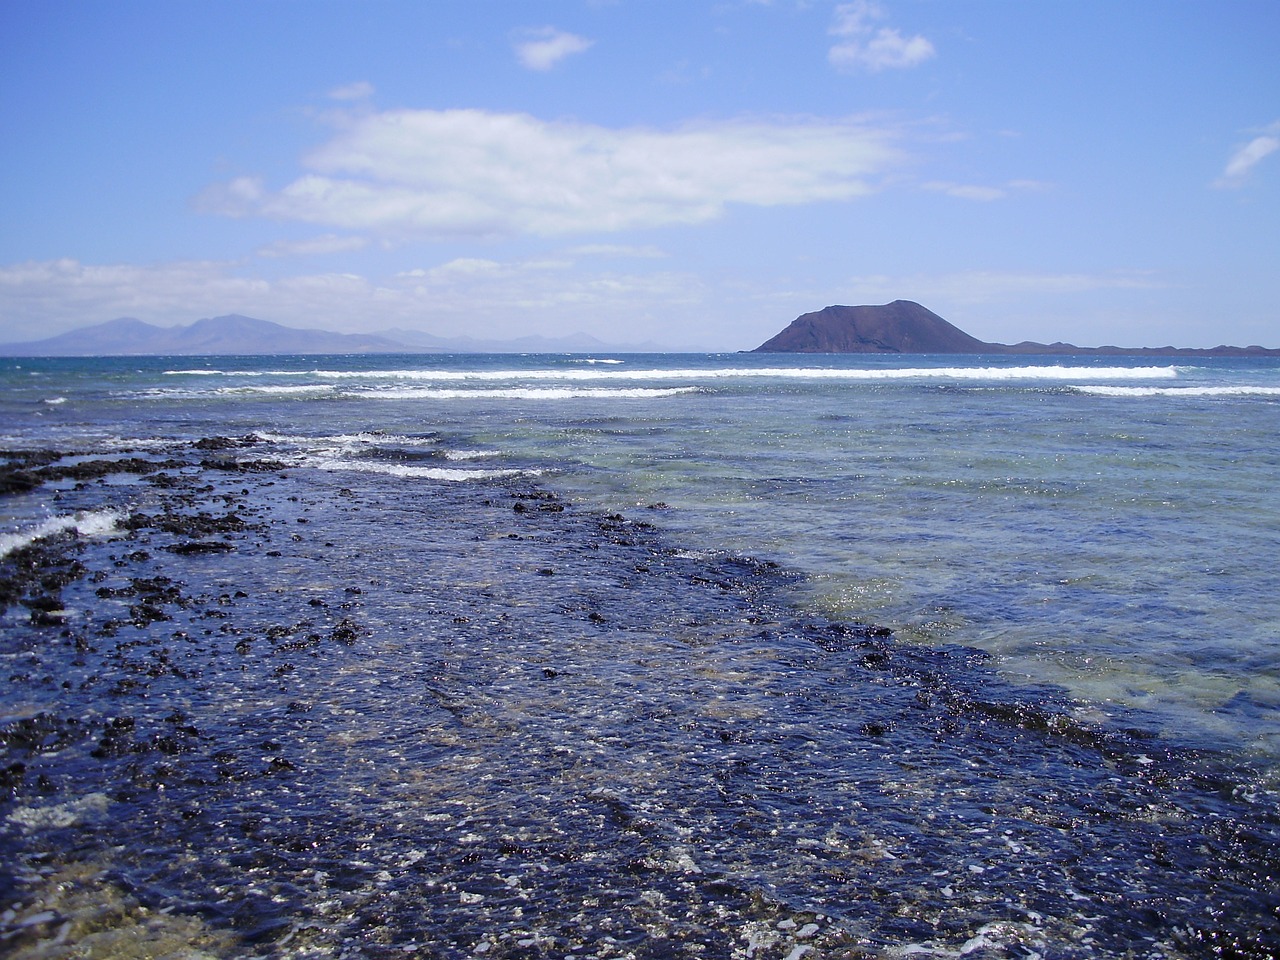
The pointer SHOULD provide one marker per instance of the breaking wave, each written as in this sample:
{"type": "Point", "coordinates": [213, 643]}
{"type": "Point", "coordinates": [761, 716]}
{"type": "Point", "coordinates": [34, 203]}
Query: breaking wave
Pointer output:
{"type": "Point", "coordinates": [1236, 391]}
{"type": "Point", "coordinates": [1055, 372]}
{"type": "Point", "coordinates": [98, 523]}
{"type": "Point", "coordinates": [453, 474]}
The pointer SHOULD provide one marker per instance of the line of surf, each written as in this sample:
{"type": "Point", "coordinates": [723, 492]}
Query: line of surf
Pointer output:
{"type": "Point", "coordinates": [373, 391]}
{"type": "Point", "coordinates": [524, 393]}
{"type": "Point", "coordinates": [409, 471]}
{"type": "Point", "coordinates": [1054, 372]}
{"type": "Point", "coordinates": [1103, 390]}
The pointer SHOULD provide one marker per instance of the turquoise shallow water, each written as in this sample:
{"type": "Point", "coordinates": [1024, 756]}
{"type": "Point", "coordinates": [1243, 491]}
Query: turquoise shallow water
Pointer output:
{"type": "Point", "coordinates": [1102, 524]}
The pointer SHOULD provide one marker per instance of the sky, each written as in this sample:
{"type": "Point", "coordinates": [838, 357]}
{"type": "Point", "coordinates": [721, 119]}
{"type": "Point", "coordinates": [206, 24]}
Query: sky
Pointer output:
{"type": "Point", "coordinates": [691, 173]}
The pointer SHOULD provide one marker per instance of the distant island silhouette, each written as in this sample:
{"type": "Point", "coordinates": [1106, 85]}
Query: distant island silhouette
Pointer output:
{"type": "Point", "coordinates": [904, 326]}
{"type": "Point", "coordinates": [236, 335]}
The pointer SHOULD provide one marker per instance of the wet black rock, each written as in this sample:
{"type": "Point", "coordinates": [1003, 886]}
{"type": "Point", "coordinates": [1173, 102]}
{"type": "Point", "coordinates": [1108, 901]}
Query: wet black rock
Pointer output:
{"type": "Point", "coordinates": [195, 547]}
{"type": "Point", "coordinates": [17, 481]}
{"type": "Point", "coordinates": [96, 469]}
{"type": "Point", "coordinates": [35, 574]}
{"type": "Point", "coordinates": [11, 777]}
{"type": "Point", "coordinates": [835, 637]}
{"type": "Point", "coordinates": [26, 459]}
{"type": "Point", "coordinates": [41, 733]}
{"type": "Point", "coordinates": [230, 464]}
{"type": "Point", "coordinates": [201, 524]}
{"type": "Point", "coordinates": [345, 632]}
{"type": "Point", "coordinates": [226, 443]}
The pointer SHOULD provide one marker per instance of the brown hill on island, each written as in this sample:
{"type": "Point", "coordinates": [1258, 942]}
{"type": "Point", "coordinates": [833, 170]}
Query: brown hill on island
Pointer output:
{"type": "Point", "coordinates": [904, 326]}
{"type": "Point", "coordinates": [898, 327]}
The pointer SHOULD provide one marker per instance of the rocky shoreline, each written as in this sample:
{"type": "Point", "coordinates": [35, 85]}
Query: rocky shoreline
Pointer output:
{"type": "Point", "coordinates": [260, 712]}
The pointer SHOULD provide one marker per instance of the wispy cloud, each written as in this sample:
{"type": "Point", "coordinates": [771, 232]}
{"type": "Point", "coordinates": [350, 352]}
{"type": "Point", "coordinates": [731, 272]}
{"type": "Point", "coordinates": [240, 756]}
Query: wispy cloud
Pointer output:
{"type": "Point", "coordinates": [477, 173]}
{"type": "Point", "coordinates": [486, 297]}
{"type": "Point", "coordinates": [546, 287]}
{"type": "Point", "coordinates": [620, 250]}
{"type": "Point", "coordinates": [313, 246]}
{"type": "Point", "coordinates": [966, 191]}
{"type": "Point", "coordinates": [39, 298]}
{"type": "Point", "coordinates": [1247, 157]}
{"type": "Point", "coordinates": [360, 90]}
{"type": "Point", "coordinates": [993, 286]}
{"type": "Point", "coordinates": [982, 193]}
{"type": "Point", "coordinates": [542, 48]}
{"type": "Point", "coordinates": [863, 46]}
{"type": "Point", "coordinates": [459, 267]}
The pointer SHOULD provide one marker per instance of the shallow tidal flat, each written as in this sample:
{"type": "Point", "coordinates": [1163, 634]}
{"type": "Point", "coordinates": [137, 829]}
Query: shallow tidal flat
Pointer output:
{"type": "Point", "coordinates": [284, 712]}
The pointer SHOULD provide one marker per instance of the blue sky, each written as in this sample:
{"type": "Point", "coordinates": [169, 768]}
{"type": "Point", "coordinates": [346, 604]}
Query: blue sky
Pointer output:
{"type": "Point", "coordinates": [691, 173]}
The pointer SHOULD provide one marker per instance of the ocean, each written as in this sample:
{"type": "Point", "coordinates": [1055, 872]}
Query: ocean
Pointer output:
{"type": "Point", "coordinates": [736, 655]}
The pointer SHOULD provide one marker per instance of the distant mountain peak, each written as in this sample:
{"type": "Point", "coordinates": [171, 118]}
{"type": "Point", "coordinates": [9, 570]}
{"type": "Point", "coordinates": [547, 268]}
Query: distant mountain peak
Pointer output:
{"type": "Point", "coordinates": [902, 326]}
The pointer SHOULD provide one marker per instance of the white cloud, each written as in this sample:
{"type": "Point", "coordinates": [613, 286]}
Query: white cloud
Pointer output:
{"type": "Point", "coordinates": [994, 286]}
{"type": "Point", "coordinates": [315, 246]}
{"type": "Point", "coordinates": [235, 198]}
{"type": "Point", "coordinates": [971, 191]}
{"type": "Point", "coordinates": [475, 173]}
{"type": "Point", "coordinates": [360, 90]}
{"type": "Point", "coordinates": [543, 48]}
{"type": "Point", "coordinates": [862, 46]}
{"type": "Point", "coordinates": [646, 252]}
{"type": "Point", "coordinates": [475, 296]}
{"type": "Point", "coordinates": [461, 267]}
{"type": "Point", "coordinates": [40, 298]}
{"type": "Point", "coordinates": [965, 191]}
{"type": "Point", "coordinates": [1247, 157]}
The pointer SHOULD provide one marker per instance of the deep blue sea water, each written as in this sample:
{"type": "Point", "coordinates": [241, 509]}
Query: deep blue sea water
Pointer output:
{"type": "Point", "coordinates": [1105, 530]}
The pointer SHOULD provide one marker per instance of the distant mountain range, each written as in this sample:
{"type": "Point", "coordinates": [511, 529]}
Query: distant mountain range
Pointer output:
{"type": "Point", "coordinates": [235, 335]}
{"type": "Point", "coordinates": [906, 327]}
{"type": "Point", "coordinates": [898, 327]}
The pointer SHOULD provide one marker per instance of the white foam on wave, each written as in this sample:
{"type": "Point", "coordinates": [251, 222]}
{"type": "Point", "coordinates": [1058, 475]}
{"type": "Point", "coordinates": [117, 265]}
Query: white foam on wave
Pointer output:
{"type": "Point", "coordinates": [452, 474]}
{"type": "Point", "coordinates": [1026, 372]}
{"type": "Point", "coordinates": [246, 390]}
{"type": "Point", "coordinates": [416, 393]}
{"type": "Point", "coordinates": [139, 443]}
{"type": "Point", "coordinates": [1055, 372]}
{"type": "Point", "coordinates": [283, 389]}
{"type": "Point", "coordinates": [334, 452]}
{"type": "Point", "coordinates": [348, 440]}
{"type": "Point", "coordinates": [55, 401]}
{"type": "Point", "coordinates": [471, 454]}
{"type": "Point", "coordinates": [594, 370]}
{"type": "Point", "coordinates": [526, 393]}
{"type": "Point", "coordinates": [98, 523]}
{"type": "Point", "coordinates": [1236, 391]}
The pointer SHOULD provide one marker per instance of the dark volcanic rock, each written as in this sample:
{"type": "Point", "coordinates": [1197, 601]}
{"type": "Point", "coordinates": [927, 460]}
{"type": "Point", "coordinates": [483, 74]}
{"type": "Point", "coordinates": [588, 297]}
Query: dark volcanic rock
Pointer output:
{"type": "Point", "coordinates": [898, 327]}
